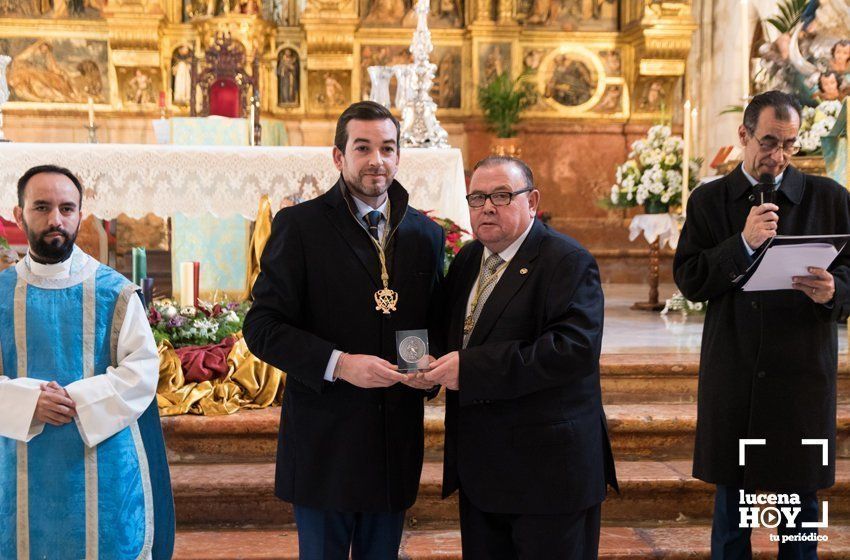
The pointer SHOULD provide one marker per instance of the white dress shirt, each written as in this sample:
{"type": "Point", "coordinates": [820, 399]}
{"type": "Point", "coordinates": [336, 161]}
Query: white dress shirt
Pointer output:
{"type": "Point", "coordinates": [506, 255]}
{"type": "Point", "coordinates": [362, 210]}
{"type": "Point", "coordinates": [107, 403]}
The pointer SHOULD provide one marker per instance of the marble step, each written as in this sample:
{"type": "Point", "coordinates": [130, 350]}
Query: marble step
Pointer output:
{"type": "Point", "coordinates": [657, 431]}
{"type": "Point", "coordinates": [616, 543]}
{"type": "Point", "coordinates": [651, 493]}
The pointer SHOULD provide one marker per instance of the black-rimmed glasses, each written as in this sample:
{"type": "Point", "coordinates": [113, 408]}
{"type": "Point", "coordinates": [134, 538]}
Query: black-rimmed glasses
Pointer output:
{"type": "Point", "coordinates": [499, 198]}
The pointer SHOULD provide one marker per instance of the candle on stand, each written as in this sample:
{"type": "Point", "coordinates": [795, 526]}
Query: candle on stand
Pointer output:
{"type": "Point", "coordinates": [91, 112]}
{"type": "Point", "coordinates": [187, 283]}
{"type": "Point", "coordinates": [745, 51]}
{"type": "Point", "coordinates": [196, 280]}
{"type": "Point", "coordinates": [686, 156]}
{"type": "Point", "coordinates": [251, 123]}
{"type": "Point", "coordinates": [147, 290]}
{"type": "Point", "coordinates": [140, 265]}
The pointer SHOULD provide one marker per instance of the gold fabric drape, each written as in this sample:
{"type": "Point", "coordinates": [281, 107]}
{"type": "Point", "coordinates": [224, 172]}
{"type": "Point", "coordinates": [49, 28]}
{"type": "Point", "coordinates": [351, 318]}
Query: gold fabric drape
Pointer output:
{"type": "Point", "coordinates": [262, 231]}
{"type": "Point", "coordinates": [249, 383]}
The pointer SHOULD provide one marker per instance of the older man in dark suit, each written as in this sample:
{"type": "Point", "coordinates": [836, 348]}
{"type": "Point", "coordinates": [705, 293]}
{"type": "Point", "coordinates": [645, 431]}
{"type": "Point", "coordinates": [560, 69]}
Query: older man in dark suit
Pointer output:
{"type": "Point", "coordinates": [339, 276]}
{"type": "Point", "coordinates": [526, 438]}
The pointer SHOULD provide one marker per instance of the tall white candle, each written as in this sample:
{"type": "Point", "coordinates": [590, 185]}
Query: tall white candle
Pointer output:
{"type": "Point", "coordinates": [91, 112]}
{"type": "Point", "coordinates": [686, 156]}
{"type": "Point", "coordinates": [745, 51]}
{"type": "Point", "coordinates": [187, 283]}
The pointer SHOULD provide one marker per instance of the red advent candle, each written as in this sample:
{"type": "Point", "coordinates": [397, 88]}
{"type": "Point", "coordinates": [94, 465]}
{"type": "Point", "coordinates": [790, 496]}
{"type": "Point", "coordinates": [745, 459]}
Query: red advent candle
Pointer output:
{"type": "Point", "coordinates": [197, 280]}
{"type": "Point", "coordinates": [162, 100]}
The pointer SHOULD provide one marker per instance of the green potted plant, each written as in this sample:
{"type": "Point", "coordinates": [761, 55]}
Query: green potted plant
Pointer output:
{"type": "Point", "coordinates": [503, 100]}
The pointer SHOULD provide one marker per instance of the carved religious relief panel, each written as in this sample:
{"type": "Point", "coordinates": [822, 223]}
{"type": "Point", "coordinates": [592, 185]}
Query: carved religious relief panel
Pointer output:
{"type": "Point", "coordinates": [53, 70]}
{"type": "Point", "coordinates": [329, 90]}
{"type": "Point", "coordinates": [447, 86]}
{"type": "Point", "coordinates": [569, 15]}
{"type": "Point", "coordinates": [493, 59]}
{"type": "Point", "coordinates": [138, 87]}
{"type": "Point", "coordinates": [401, 13]}
{"type": "Point", "coordinates": [654, 94]}
{"type": "Point", "coordinates": [55, 9]}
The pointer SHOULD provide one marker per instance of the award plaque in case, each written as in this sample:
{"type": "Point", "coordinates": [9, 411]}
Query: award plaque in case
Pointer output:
{"type": "Point", "coordinates": [412, 349]}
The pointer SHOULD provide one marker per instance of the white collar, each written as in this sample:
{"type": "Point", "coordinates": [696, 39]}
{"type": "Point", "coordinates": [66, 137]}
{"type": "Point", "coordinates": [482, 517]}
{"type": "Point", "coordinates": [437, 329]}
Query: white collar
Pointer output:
{"type": "Point", "coordinates": [363, 208]}
{"type": "Point", "coordinates": [55, 271]}
{"type": "Point", "coordinates": [511, 250]}
{"type": "Point", "coordinates": [753, 181]}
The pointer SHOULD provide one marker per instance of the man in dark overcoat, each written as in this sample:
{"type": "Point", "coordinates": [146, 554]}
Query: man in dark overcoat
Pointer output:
{"type": "Point", "coordinates": [769, 358]}
{"type": "Point", "coordinates": [351, 434]}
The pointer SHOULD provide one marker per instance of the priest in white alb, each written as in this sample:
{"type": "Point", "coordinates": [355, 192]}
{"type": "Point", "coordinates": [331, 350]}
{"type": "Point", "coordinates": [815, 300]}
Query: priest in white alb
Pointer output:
{"type": "Point", "coordinates": [83, 472]}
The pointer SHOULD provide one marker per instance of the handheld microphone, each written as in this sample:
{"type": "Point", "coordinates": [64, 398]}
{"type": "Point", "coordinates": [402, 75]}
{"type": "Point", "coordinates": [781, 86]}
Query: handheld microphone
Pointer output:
{"type": "Point", "coordinates": [766, 189]}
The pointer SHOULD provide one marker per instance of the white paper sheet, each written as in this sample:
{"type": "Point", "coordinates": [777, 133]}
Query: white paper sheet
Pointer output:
{"type": "Point", "coordinates": [782, 262]}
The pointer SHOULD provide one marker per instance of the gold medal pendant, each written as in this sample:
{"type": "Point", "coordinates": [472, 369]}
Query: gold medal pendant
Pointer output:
{"type": "Point", "coordinates": [386, 300]}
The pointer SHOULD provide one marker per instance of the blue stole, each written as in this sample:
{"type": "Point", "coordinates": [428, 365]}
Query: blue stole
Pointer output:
{"type": "Point", "coordinates": [58, 498]}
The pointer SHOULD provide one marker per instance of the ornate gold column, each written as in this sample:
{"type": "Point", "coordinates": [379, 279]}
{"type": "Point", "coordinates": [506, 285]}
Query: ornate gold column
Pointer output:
{"type": "Point", "coordinates": [659, 34]}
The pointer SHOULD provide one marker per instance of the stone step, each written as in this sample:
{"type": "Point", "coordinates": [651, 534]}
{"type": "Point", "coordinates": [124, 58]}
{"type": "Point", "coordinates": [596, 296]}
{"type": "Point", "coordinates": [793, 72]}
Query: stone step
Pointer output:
{"type": "Point", "coordinates": [658, 431]}
{"type": "Point", "coordinates": [669, 378]}
{"type": "Point", "coordinates": [651, 493]}
{"type": "Point", "coordinates": [616, 543]}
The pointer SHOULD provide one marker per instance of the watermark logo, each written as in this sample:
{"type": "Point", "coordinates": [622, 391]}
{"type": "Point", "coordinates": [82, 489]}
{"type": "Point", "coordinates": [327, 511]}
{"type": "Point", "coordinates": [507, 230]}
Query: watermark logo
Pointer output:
{"type": "Point", "coordinates": [770, 510]}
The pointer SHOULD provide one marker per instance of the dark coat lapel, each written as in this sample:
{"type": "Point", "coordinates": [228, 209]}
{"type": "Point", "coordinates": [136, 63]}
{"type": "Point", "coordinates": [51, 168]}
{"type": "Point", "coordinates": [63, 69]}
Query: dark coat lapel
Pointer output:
{"type": "Point", "coordinates": [508, 285]}
{"type": "Point", "coordinates": [339, 214]}
{"type": "Point", "coordinates": [466, 279]}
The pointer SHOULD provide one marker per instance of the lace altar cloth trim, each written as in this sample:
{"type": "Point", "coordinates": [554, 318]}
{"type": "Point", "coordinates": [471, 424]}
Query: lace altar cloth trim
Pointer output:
{"type": "Point", "coordinates": [137, 179]}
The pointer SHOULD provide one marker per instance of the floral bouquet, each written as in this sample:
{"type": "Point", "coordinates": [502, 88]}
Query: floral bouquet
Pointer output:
{"type": "Point", "coordinates": [456, 237]}
{"type": "Point", "coordinates": [817, 122]}
{"type": "Point", "coordinates": [208, 323]}
{"type": "Point", "coordinates": [652, 176]}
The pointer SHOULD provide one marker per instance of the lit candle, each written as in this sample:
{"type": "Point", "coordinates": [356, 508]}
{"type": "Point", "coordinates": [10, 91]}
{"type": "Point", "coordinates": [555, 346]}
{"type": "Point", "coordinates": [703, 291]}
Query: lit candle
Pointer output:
{"type": "Point", "coordinates": [745, 51]}
{"type": "Point", "coordinates": [91, 112]}
{"type": "Point", "coordinates": [187, 282]}
{"type": "Point", "coordinates": [686, 156]}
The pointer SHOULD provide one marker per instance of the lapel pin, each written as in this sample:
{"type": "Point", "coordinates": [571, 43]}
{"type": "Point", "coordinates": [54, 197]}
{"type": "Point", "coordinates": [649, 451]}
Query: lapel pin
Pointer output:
{"type": "Point", "coordinates": [523, 271]}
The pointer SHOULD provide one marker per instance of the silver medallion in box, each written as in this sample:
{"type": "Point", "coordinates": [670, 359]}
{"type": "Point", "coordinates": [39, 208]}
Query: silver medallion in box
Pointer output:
{"type": "Point", "coordinates": [412, 350]}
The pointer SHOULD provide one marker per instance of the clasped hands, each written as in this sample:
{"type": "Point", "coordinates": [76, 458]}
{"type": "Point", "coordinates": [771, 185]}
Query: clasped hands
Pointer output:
{"type": "Point", "coordinates": [370, 371]}
{"type": "Point", "coordinates": [762, 224]}
{"type": "Point", "coordinates": [54, 406]}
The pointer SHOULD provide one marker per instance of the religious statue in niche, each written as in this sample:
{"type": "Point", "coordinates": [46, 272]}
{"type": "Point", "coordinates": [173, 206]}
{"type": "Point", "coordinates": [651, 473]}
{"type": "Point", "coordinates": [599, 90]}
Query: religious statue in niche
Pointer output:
{"type": "Point", "coordinates": [570, 81]}
{"type": "Point", "coordinates": [57, 70]}
{"type": "Point", "coordinates": [288, 78]}
{"type": "Point", "coordinates": [181, 75]}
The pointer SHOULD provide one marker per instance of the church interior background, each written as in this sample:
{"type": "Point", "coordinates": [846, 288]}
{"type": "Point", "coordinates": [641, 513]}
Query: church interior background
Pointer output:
{"type": "Point", "coordinates": [603, 74]}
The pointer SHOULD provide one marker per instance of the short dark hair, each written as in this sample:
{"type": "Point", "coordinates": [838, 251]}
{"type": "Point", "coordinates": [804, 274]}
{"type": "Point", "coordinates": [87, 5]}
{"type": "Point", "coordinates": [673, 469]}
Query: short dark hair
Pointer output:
{"type": "Point", "coordinates": [491, 161]}
{"type": "Point", "coordinates": [363, 111]}
{"type": "Point", "coordinates": [781, 103]}
{"type": "Point", "coordinates": [33, 171]}
{"type": "Point", "coordinates": [829, 73]}
{"type": "Point", "coordinates": [839, 43]}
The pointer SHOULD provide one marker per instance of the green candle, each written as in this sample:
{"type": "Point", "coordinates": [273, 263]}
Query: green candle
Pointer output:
{"type": "Point", "coordinates": [140, 265]}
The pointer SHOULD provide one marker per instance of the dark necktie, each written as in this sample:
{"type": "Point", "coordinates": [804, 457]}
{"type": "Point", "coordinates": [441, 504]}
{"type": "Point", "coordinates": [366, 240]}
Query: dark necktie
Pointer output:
{"type": "Point", "coordinates": [373, 218]}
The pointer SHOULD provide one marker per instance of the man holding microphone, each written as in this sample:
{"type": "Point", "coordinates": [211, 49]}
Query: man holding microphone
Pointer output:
{"type": "Point", "coordinates": [769, 359]}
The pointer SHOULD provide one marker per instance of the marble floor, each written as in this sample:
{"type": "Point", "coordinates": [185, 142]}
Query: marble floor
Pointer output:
{"type": "Point", "coordinates": [647, 332]}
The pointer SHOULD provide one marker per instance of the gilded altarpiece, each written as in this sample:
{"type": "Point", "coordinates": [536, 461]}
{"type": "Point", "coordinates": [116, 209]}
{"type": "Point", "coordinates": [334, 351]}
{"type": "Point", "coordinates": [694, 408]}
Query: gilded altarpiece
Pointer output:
{"type": "Point", "coordinates": [609, 60]}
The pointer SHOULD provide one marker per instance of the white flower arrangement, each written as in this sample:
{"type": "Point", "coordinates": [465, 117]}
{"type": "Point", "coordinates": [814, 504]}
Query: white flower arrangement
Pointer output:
{"type": "Point", "coordinates": [817, 123]}
{"type": "Point", "coordinates": [653, 172]}
{"type": "Point", "coordinates": [680, 303]}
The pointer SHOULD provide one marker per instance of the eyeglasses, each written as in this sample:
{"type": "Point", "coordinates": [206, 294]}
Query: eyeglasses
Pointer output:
{"type": "Point", "coordinates": [500, 198]}
{"type": "Point", "coordinates": [789, 147]}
